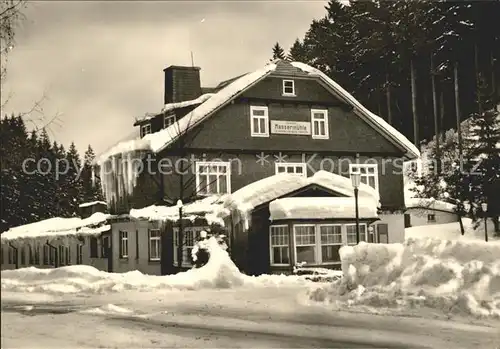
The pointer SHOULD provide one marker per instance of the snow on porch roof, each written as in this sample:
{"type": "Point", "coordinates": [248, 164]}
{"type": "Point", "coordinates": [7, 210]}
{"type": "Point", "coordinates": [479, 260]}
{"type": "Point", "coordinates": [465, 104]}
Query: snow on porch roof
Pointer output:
{"type": "Point", "coordinates": [273, 187]}
{"type": "Point", "coordinates": [92, 203]}
{"type": "Point", "coordinates": [57, 227]}
{"type": "Point", "coordinates": [429, 204]}
{"type": "Point", "coordinates": [158, 141]}
{"type": "Point", "coordinates": [322, 208]}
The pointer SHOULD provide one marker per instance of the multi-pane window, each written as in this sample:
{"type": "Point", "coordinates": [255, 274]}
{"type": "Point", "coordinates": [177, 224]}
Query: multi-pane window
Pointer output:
{"type": "Point", "coordinates": [293, 168]}
{"type": "Point", "coordinates": [280, 245]}
{"type": "Point", "coordinates": [12, 255]}
{"type": "Point", "coordinates": [154, 245]}
{"type": "Point", "coordinates": [319, 124]}
{"type": "Point", "coordinates": [79, 254]}
{"type": "Point", "coordinates": [213, 177]}
{"type": "Point", "coordinates": [189, 235]}
{"type": "Point", "coordinates": [368, 173]}
{"type": "Point", "coordinates": [168, 120]}
{"type": "Point", "coordinates": [123, 244]}
{"type": "Point", "coordinates": [61, 251]}
{"type": "Point", "coordinates": [288, 88]}
{"type": "Point", "coordinates": [431, 217]}
{"type": "Point", "coordinates": [145, 129]}
{"type": "Point", "coordinates": [105, 247]}
{"type": "Point", "coordinates": [259, 121]}
{"type": "Point", "coordinates": [351, 233]}
{"type": "Point", "coordinates": [331, 242]}
{"type": "Point", "coordinates": [67, 254]}
{"type": "Point", "coordinates": [93, 247]}
{"type": "Point", "coordinates": [305, 244]}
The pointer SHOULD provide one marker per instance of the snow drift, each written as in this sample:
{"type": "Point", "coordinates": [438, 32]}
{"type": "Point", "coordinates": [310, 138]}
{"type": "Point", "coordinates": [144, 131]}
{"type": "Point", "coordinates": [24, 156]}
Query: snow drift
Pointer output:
{"type": "Point", "coordinates": [460, 277]}
{"type": "Point", "coordinates": [219, 272]}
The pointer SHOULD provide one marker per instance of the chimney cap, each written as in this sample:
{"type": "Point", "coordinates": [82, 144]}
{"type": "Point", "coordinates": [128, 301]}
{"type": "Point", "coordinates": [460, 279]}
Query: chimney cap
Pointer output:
{"type": "Point", "coordinates": [178, 67]}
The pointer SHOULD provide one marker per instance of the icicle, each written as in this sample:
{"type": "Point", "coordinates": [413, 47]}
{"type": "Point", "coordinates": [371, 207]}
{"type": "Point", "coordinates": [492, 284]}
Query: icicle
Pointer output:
{"type": "Point", "coordinates": [131, 174]}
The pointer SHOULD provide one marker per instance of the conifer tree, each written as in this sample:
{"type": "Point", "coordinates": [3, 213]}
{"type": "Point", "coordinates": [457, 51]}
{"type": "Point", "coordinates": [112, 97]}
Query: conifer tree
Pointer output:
{"type": "Point", "coordinates": [278, 52]}
{"type": "Point", "coordinates": [91, 183]}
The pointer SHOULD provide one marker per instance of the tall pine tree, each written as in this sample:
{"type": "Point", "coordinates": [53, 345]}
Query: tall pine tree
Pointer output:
{"type": "Point", "coordinates": [278, 52]}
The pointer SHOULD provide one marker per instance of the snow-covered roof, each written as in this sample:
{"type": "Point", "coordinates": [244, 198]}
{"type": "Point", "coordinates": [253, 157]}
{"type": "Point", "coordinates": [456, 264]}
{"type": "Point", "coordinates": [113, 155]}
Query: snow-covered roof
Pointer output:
{"type": "Point", "coordinates": [322, 208]}
{"type": "Point", "coordinates": [172, 106]}
{"type": "Point", "coordinates": [92, 203]}
{"type": "Point", "coordinates": [273, 187]}
{"type": "Point", "coordinates": [429, 204]}
{"type": "Point", "coordinates": [207, 208]}
{"type": "Point", "coordinates": [158, 141]}
{"type": "Point", "coordinates": [412, 151]}
{"type": "Point", "coordinates": [58, 227]}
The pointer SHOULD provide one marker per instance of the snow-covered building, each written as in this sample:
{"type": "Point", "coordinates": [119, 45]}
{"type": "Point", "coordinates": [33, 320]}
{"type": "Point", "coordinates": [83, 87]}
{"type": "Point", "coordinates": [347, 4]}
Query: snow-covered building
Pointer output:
{"type": "Point", "coordinates": [284, 118]}
{"type": "Point", "coordinates": [422, 211]}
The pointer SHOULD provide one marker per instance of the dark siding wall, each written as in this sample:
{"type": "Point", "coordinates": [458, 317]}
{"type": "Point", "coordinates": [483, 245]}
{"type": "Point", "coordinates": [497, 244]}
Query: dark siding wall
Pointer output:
{"type": "Point", "coordinates": [230, 129]}
{"type": "Point", "coordinates": [305, 90]}
{"type": "Point", "coordinates": [182, 84]}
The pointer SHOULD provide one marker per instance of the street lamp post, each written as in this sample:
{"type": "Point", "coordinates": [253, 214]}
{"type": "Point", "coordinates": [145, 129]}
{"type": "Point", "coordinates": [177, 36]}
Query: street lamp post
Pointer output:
{"type": "Point", "coordinates": [180, 237]}
{"type": "Point", "coordinates": [484, 207]}
{"type": "Point", "coordinates": [356, 180]}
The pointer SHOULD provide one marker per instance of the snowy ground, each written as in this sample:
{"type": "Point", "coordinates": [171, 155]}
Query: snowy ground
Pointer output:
{"type": "Point", "coordinates": [216, 306]}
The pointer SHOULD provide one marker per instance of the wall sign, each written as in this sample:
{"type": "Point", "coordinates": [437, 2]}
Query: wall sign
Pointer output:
{"type": "Point", "coordinates": [291, 127]}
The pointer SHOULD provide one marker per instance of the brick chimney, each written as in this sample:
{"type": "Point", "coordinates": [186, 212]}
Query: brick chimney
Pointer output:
{"type": "Point", "coordinates": [181, 83]}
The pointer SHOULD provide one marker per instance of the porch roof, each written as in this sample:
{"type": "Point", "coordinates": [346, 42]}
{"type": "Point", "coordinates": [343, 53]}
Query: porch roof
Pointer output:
{"type": "Point", "coordinates": [322, 208]}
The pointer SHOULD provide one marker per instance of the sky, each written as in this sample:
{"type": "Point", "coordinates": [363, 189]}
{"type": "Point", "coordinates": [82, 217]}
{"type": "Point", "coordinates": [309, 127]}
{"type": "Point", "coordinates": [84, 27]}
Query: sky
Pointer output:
{"type": "Point", "coordinates": [96, 65]}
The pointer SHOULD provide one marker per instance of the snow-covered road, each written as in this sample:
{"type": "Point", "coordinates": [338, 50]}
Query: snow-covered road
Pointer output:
{"type": "Point", "coordinates": [239, 317]}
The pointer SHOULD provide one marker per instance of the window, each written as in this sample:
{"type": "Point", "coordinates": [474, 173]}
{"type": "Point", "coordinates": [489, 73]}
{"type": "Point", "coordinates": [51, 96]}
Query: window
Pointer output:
{"type": "Point", "coordinates": [137, 244]}
{"type": "Point", "coordinates": [305, 244]}
{"type": "Point", "coordinates": [431, 217]}
{"type": "Point", "coordinates": [154, 245]}
{"type": "Point", "coordinates": [105, 246]}
{"type": "Point", "coordinates": [31, 255]}
{"type": "Point", "coordinates": [213, 177]}
{"type": "Point", "coordinates": [290, 167]}
{"type": "Point", "coordinates": [279, 244]}
{"type": "Point", "coordinates": [383, 233]}
{"type": "Point", "coordinates": [79, 254]}
{"type": "Point", "coordinates": [37, 255]}
{"type": "Point", "coordinates": [168, 120]}
{"type": "Point", "coordinates": [61, 255]}
{"type": "Point", "coordinates": [23, 255]}
{"type": "Point", "coordinates": [67, 254]}
{"type": "Point", "coordinates": [288, 88]}
{"type": "Point", "coordinates": [46, 254]}
{"type": "Point", "coordinates": [368, 172]}
{"type": "Point", "coordinates": [12, 255]}
{"type": "Point", "coordinates": [351, 233]}
{"type": "Point", "coordinates": [319, 124]}
{"type": "Point", "coordinates": [93, 247]}
{"type": "Point", "coordinates": [331, 242]}
{"type": "Point", "coordinates": [145, 129]}
{"type": "Point", "coordinates": [259, 121]}
{"type": "Point", "coordinates": [123, 244]}
{"type": "Point", "coordinates": [189, 235]}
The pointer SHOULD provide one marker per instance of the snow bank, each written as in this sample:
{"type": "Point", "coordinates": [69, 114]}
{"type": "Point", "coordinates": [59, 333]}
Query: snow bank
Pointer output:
{"type": "Point", "coordinates": [451, 231]}
{"type": "Point", "coordinates": [321, 207]}
{"type": "Point", "coordinates": [57, 226]}
{"type": "Point", "coordinates": [452, 276]}
{"type": "Point", "coordinates": [412, 151]}
{"type": "Point", "coordinates": [219, 272]}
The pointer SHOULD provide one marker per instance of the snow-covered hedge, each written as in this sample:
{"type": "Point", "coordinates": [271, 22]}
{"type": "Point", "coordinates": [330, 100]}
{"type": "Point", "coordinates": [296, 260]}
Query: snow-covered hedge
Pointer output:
{"type": "Point", "coordinates": [452, 276]}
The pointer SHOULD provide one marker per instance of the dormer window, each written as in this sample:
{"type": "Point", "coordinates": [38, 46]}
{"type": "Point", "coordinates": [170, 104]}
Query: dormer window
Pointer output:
{"type": "Point", "coordinates": [288, 88]}
{"type": "Point", "coordinates": [168, 120]}
{"type": "Point", "coordinates": [145, 129]}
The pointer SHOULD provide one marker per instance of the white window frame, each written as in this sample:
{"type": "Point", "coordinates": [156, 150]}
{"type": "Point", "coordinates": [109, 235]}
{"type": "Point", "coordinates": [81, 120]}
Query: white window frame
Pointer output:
{"type": "Point", "coordinates": [157, 241]}
{"type": "Point", "coordinates": [284, 92]}
{"type": "Point", "coordinates": [324, 119]}
{"type": "Point", "coordinates": [145, 129]}
{"type": "Point", "coordinates": [123, 240]}
{"type": "Point", "coordinates": [356, 168]}
{"type": "Point", "coordinates": [360, 233]}
{"type": "Point", "coordinates": [341, 243]}
{"type": "Point", "coordinates": [227, 175]}
{"type": "Point", "coordinates": [272, 246]}
{"type": "Point", "coordinates": [79, 254]}
{"type": "Point", "coordinates": [295, 165]}
{"type": "Point", "coordinates": [264, 117]}
{"type": "Point", "coordinates": [171, 120]}
{"type": "Point", "coordinates": [186, 249]}
{"type": "Point", "coordinates": [315, 245]}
